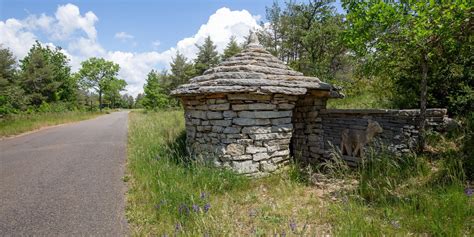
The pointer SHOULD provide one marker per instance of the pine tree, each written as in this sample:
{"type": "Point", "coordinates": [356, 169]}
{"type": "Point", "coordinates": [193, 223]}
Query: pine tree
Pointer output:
{"type": "Point", "coordinates": [181, 70]}
{"type": "Point", "coordinates": [231, 49]}
{"type": "Point", "coordinates": [155, 96]}
{"type": "Point", "coordinates": [45, 75]}
{"type": "Point", "coordinates": [12, 96]}
{"type": "Point", "coordinates": [207, 56]}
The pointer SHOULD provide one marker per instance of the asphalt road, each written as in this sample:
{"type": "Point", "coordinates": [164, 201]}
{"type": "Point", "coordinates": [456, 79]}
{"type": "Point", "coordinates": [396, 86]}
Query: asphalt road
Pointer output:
{"type": "Point", "coordinates": [65, 180]}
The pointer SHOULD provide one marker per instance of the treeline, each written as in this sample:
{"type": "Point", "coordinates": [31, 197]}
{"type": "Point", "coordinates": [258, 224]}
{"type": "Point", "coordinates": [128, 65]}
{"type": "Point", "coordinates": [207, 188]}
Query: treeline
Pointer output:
{"type": "Point", "coordinates": [43, 82]}
{"type": "Point", "coordinates": [413, 54]}
{"type": "Point", "coordinates": [159, 84]}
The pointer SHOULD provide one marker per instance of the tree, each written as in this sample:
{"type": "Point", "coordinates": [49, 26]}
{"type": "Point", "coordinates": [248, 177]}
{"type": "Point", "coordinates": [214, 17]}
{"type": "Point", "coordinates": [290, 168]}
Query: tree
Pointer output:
{"type": "Point", "coordinates": [411, 43]}
{"type": "Point", "coordinates": [12, 96]}
{"type": "Point", "coordinates": [155, 96]}
{"type": "Point", "coordinates": [112, 90]}
{"type": "Point", "coordinates": [231, 49]}
{"type": "Point", "coordinates": [139, 101]}
{"type": "Point", "coordinates": [207, 56]}
{"type": "Point", "coordinates": [46, 76]}
{"type": "Point", "coordinates": [181, 71]}
{"type": "Point", "coordinates": [98, 74]}
{"type": "Point", "coordinates": [307, 36]}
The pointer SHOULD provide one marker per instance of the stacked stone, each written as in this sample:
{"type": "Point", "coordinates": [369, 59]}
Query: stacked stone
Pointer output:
{"type": "Point", "coordinates": [246, 132]}
{"type": "Point", "coordinates": [239, 113]}
{"type": "Point", "coordinates": [400, 127]}
{"type": "Point", "coordinates": [307, 141]}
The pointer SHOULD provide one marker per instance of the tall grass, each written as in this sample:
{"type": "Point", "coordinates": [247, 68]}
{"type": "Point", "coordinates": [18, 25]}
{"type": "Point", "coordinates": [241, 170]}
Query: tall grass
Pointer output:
{"type": "Point", "coordinates": [170, 194]}
{"type": "Point", "coordinates": [16, 124]}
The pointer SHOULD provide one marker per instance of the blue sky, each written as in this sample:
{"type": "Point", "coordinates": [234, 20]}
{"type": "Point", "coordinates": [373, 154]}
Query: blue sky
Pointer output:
{"type": "Point", "coordinates": [139, 35]}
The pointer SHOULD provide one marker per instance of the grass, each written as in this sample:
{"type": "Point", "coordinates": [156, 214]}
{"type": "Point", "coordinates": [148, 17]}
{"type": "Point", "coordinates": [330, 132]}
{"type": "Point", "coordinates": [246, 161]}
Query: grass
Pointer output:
{"type": "Point", "coordinates": [169, 194]}
{"type": "Point", "coordinates": [17, 124]}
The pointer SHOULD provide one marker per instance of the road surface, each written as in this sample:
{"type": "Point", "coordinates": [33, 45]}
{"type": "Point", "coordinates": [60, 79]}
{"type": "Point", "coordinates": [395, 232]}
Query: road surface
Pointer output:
{"type": "Point", "coordinates": [65, 180]}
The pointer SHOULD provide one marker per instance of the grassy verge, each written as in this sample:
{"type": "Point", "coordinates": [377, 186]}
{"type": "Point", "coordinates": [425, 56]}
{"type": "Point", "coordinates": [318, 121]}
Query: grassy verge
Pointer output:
{"type": "Point", "coordinates": [16, 124]}
{"type": "Point", "coordinates": [170, 195]}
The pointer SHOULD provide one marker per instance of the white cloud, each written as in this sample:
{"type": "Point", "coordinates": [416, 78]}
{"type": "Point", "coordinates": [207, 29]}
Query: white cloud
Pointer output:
{"type": "Point", "coordinates": [78, 33]}
{"type": "Point", "coordinates": [123, 36]}
{"type": "Point", "coordinates": [69, 19]}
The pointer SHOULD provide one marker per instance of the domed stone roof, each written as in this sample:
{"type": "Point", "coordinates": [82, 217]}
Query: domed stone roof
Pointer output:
{"type": "Point", "coordinates": [255, 71]}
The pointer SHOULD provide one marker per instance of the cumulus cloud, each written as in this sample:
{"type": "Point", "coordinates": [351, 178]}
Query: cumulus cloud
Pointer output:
{"type": "Point", "coordinates": [78, 32]}
{"type": "Point", "coordinates": [123, 36]}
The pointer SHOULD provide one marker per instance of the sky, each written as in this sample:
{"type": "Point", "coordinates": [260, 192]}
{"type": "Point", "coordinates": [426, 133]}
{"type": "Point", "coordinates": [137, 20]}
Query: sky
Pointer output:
{"type": "Point", "coordinates": [139, 35]}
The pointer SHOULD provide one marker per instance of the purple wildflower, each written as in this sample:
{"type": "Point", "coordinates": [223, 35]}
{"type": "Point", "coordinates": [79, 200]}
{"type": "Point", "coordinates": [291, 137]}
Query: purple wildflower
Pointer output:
{"type": "Point", "coordinates": [204, 195]}
{"type": "Point", "coordinates": [283, 234]}
{"type": "Point", "coordinates": [395, 224]}
{"type": "Point", "coordinates": [469, 191]}
{"type": "Point", "coordinates": [196, 208]}
{"type": "Point", "coordinates": [177, 227]}
{"type": "Point", "coordinates": [293, 226]}
{"type": "Point", "coordinates": [183, 209]}
{"type": "Point", "coordinates": [206, 207]}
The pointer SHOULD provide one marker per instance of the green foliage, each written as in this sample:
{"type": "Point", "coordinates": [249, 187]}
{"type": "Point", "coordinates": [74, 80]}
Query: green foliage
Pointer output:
{"type": "Point", "coordinates": [46, 76]}
{"type": "Point", "coordinates": [231, 49]}
{"type": "Point", "coordinates": [181, 71]}
{"type": "Point", "coordinates": [468, 147]}
{"type": "Point", "coordinates": [410, 41]}
{"type": "Point", "coordinates": [100, 75]}
{"type": "Point", "coordinates": [307, 37]}
{"type": "Point", "coordinates": [207, 56]}
{"type": "Point", "coordinates": [154, 94]}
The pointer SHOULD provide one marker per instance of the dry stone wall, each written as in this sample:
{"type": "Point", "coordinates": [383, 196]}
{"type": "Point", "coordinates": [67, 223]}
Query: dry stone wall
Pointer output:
{"type": "Point", "coordinates": [249, 133]}
{"type": "Point", "coordinates": [307, 142]}
{"type": "Point", "coordinates": [400, 127]}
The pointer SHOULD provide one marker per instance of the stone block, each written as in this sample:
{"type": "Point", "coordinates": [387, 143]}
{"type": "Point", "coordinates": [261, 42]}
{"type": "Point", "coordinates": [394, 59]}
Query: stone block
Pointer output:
{"type": "Point", "coordinates": [282, 128]}
{"type": "Point", "coordinates": [214, 115]}
{"type": "Point", "coordinates": [280, 121]}
{"type": "Point", "coordinates": [219, 106]}
{"type": "Point", "coordinates": [229, 114]}
{"type": "Point", "coordinates": [285, 152]}
{"type": "Point", "coordinates": [217, 129]}
{"type": "Point", "coordinates": [268, 166]}
{"type": "Point", "coordinates": [250, 121]}
{"type": "Point", "coordinates": [261, 106]}
{"type": "Point", "coordinates": [286, 106]}
{"type": "Point", "coordinates": [255, 149]}
{"type": "Point", "coordinates": [245, 167]}
{"type": "Point", "coordinates": [248, 97]}
{"type": "Point", "coordinates": [270, 136]}
{"type": "Point", "coordinates": [256, 129]}
{"type": "Point", "coordinates": [264, 114]}
{"type": "Point", "coordinates": [235, 149]}
{"type": "Point", "coordinates": [232, 130]}
{"type": "Point", "coordinates": [224, 123]}
{"type": "Point", "coordinates": [238, 107]}
{"type": "Point", "coordinates": [196, 114]}
{"type": "Point", "coordinates": [260, 156]}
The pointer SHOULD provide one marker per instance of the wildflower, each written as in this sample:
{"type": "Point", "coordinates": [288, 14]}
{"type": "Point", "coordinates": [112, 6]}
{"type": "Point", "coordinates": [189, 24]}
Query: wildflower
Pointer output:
{"type": "Point", "coordinates": [196, 208]}
{"type": "Point", "coordinates": [177, 227]}
{"type": "Point", "coordinates": [203, 195]}
{"type": "Point", "coordinates": [469, 191]}
{"type": "Point", "coordinates": [206, 207]}
{"type": "Point", "coordinates": [293, 226]}
{"type": "Point", "coordinates": [183, 209]}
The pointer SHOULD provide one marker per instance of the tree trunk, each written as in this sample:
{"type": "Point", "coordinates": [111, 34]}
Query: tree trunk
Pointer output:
{"type": "Point", "coordinates": [100, 100]}
{"type": "Point", "coordinates": [423, 93]}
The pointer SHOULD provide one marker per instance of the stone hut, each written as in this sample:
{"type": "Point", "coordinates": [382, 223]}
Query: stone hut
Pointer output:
{"type": "Point", "coordinates": [251, 111]}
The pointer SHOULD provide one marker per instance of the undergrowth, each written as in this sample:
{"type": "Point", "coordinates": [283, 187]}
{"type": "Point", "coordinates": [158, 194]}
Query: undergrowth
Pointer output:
{"type": "Point", "coordinates": [172, 194]}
